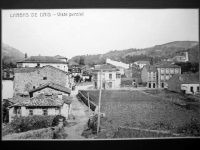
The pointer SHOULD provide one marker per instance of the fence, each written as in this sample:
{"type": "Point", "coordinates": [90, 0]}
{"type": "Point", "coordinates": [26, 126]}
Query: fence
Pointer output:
{"type": "Point", "coordinates": [84, 99]}
{"type": "Point", "coordinates": [128, 132]}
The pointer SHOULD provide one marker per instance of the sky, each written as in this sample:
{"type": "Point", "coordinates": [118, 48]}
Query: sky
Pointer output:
{"type": "Point", "coordinates": [95, 31]}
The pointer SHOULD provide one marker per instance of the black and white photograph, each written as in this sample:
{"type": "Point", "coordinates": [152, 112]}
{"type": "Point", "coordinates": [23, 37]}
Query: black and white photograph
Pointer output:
{"type": "Point", "coordinates": [100, 74]}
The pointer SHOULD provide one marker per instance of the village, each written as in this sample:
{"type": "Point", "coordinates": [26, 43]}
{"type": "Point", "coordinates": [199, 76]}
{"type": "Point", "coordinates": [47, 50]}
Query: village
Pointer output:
{"type": "Point", "coordinates": [49, 86]}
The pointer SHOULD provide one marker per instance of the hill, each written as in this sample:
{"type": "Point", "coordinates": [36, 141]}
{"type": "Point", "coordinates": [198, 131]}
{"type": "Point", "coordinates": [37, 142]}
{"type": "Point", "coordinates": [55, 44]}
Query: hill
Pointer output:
{"type": "Point", "coordinates": [157, 53]}
{"type": "Point", "coordinates": [10, 54]}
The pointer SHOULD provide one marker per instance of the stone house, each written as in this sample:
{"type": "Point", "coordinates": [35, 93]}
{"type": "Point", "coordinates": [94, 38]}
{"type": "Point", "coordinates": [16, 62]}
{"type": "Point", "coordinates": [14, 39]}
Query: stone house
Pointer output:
{"type": "Point", "coordinates": [149, 76]}
{"type": "Point", "coordinates": [57, 61]}
{"type": "Point", "coordinates": [26, 79]}
{"type": "Point", "coordinates": [184, 83]}
{"type": "Point", "coordinates": [165, 72]}
{"type": "Point", "coordinates": [111, 78]}
{"type": "Point", "coordinates": [40, 105]}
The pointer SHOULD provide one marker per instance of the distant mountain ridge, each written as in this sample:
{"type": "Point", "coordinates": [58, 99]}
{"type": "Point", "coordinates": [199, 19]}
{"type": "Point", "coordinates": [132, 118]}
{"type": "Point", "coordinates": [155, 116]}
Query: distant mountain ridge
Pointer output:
{"type": "Point", "coordinates": [167, 50]}
{"type": "Point", "coordinates": [10, 54]}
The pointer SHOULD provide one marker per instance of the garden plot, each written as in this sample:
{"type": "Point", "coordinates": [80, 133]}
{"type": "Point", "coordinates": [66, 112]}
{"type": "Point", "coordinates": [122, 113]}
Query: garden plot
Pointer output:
{"type": "Point", "coordinates": [130, 107]}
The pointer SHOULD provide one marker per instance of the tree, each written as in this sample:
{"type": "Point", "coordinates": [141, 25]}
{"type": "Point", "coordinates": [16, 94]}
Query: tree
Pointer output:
{"type": "Point", "coordinates": [82, 61]}
{"type": "Point", "coordinates": [26, 56]}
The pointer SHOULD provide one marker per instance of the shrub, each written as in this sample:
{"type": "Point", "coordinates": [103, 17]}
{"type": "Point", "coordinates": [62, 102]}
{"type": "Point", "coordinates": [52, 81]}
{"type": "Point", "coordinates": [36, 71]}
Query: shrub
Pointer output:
{"type": "Point", "coordinates": [191, 129]}
{"type": "Point", "coordinates": [56, 120]}
{"type": "Point", "coordinates": [25, 123]}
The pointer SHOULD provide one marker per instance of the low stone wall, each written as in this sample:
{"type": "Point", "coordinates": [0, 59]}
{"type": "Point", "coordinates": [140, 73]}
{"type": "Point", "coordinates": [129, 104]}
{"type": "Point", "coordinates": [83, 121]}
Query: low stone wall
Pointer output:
{"type": "Point", "coordinates": [45, 133]}
{"type": "Point", "coordinates": [127, 132]}
{"type": "Point", "coordinates": [80, 96]}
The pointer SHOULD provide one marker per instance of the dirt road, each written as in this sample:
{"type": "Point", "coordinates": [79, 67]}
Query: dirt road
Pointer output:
{"type": "Point", "coordinates": [81, 113]}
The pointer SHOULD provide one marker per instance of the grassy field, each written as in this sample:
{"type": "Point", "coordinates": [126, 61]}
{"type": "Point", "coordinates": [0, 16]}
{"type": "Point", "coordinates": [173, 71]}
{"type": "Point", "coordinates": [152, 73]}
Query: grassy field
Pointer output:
{"type": "Point", "coordinates": [133, 107]}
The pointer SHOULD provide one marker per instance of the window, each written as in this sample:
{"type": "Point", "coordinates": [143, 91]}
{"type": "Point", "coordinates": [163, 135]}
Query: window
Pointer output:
{"type": "Point", "coordinates": [15, 110]}
{"type": "Point", "coordinates": [162, 70]}
{"type": "Point", "coordinates": [44, 78]}
{"type": "Point", "coordinates": [110, 76]}
{"type": "Point", "coordinates": [45, 112]}
{"type": "Point", "coordinates": [172, 71]}
{"type": "Point", "coordinates": [163, 85]}
{"type": "Point", "coordinates": [176, 70]}
{"type": "Point", "coordinates": [30, 112]}
{"type": "Point", "coordinates": [154, 85]}
{"type": "Point", "coordinates": [197, 88]}
{"type": "Point", "coordinates": [162, 77]}
{"type": "Point", "coordinates": [117, 75]}
{"type": "Point", "coordinates": [167, 70]}
{"type": "Point", "coordinates": [33, 87]}
{"type": "Point", "coordinates": [110, 84]}
{"type": "Point", "coordinates": [191, 89]}
{"type": "Point", "coordinates": [95, 84]}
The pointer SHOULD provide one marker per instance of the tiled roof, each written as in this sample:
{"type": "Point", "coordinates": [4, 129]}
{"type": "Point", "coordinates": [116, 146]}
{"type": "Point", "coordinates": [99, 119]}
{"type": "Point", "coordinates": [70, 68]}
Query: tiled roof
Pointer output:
{"type": "Point", "coordinates": [41, 100]}
{"type": "Point", "coordinates": [60, 57]}
{"type": "Point", "coordinates": [185, 78]}
{"type": "Point", "coordinates": [54, 86]}
{"type": "Point", "coordinates": [32, 69]}
{"type": "Point", "coordinates": [166, 65]}
{"type": "Point", "coordinates": [189, 78]}
{"type": "Point", "coordinates": [150, 68]}
{"type": "Point", "coordinates": [25, 70]}
{"type": "Point", "coordinates": [17, 99]}
{"type": "Point", "coordinates": [41, 59]}
{"type": "Point", "coordinates": [106, 67]}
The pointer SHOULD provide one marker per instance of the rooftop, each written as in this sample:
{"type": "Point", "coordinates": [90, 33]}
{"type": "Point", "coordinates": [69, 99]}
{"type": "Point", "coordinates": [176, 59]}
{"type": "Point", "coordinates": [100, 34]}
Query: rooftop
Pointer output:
{"type": "Point", "coordinates": [43, 59]}
{"type": "Point", "coordinates": [166, 65]}
{"type": "Point", "coordinates": [106, 67]}
{"type": "Point", "coordinates": [53, 86]}
{"type": "Point", "coordinates": [150, 68]}
{"type": "Point", "coordinates": [32, 69]}
{"type": "Point", "coordinates": [41, 100]}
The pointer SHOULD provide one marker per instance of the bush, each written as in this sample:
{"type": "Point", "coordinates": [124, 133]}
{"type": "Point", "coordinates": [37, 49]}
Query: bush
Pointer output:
{"type": "Point", "coordinates": [56, 120]}
{"type": "Point", "coordinates": [191, 129]}
{"type": "Point", "coordinates": [25, 123]}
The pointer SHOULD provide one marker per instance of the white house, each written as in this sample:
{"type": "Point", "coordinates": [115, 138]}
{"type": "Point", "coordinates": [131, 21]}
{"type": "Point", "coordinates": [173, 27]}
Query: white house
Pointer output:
{"type": "Point", "coordinates": [111, 78]}
{"type": "Point", "coordinates": [141, 64]}
{"type": "Point", "coordinates": [56, 61]}
{"type": "Point", "coordinates": [190, 88]}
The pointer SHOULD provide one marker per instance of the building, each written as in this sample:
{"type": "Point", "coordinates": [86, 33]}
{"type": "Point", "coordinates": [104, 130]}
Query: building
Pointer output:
{"type": "Point", "coordinates": [75, 70]}
{"type": "Point", "coordinates": [141, 64]}
{"type": "Point", "coordinates": [40, 105]}
{"type": "Point", "coordinates": [27, 79]}
{"type": "Point", "coordinates": [111, 78]}
{"type": "Point", "coordinates": [149, 76]}
{"type": "Point", "coordinates": [184, 83]}
{"type": "Point", "coordinates": [56, 61]}
{"type": "Point", "coordinates": [181, 58]}
{"type": "Point", "coordinates": [165, 72]}
{"type": "Point", "coordinates": [117, 63]}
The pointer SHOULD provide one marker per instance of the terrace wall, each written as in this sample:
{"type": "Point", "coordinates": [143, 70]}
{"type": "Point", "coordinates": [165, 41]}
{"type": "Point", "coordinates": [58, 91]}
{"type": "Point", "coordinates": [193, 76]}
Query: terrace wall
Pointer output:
{"type": "Point", "coordinates": [84, 99]}
{"type": "Point", "coordinates": [127, 132]}
{"type": "Point", "coordinates": [45, 133]}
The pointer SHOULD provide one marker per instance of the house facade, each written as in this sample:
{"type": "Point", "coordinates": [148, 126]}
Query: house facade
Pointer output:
{"type": "Point", "coordinates": [40, 105]}
{"type": "Point", "coordinates": [141, 64]}
{"type": "Point", "coordinates": [149, 76]}
{"type": "Point", "coordinates": [7, 89]}
{"type": "Point", "coordinates": [184, 83]}
{"type": "Point", "coordinates": [40, 61]}
{"type": "Point", "coordinates": [27, 79]}
{"type": "Point", "coordinates": [111, 79]}
{"type": "Point", "coordinates": [165, 72]}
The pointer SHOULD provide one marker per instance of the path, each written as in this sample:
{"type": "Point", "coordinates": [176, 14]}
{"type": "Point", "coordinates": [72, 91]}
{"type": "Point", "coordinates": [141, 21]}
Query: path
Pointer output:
{"type": "Point", "coordinates": [81, 113]}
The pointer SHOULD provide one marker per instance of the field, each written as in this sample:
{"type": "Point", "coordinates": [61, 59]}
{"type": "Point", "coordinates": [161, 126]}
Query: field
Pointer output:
{"type": "Point", "coordinates": [132, 108]}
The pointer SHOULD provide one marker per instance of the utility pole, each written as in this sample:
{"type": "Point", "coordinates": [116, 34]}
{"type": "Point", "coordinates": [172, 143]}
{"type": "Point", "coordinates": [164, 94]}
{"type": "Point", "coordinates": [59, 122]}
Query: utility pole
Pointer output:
{"type": "Point", "coordinates": [99, 104]}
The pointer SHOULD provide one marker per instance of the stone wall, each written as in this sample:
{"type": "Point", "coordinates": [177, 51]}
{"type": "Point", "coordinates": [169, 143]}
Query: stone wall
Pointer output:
{"type": "Point", "coordinates": [45, 133]}
{"type": "Point", "coordinates": [26, 81]}
{"type": "Point", "coordinates": [127, 132]}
